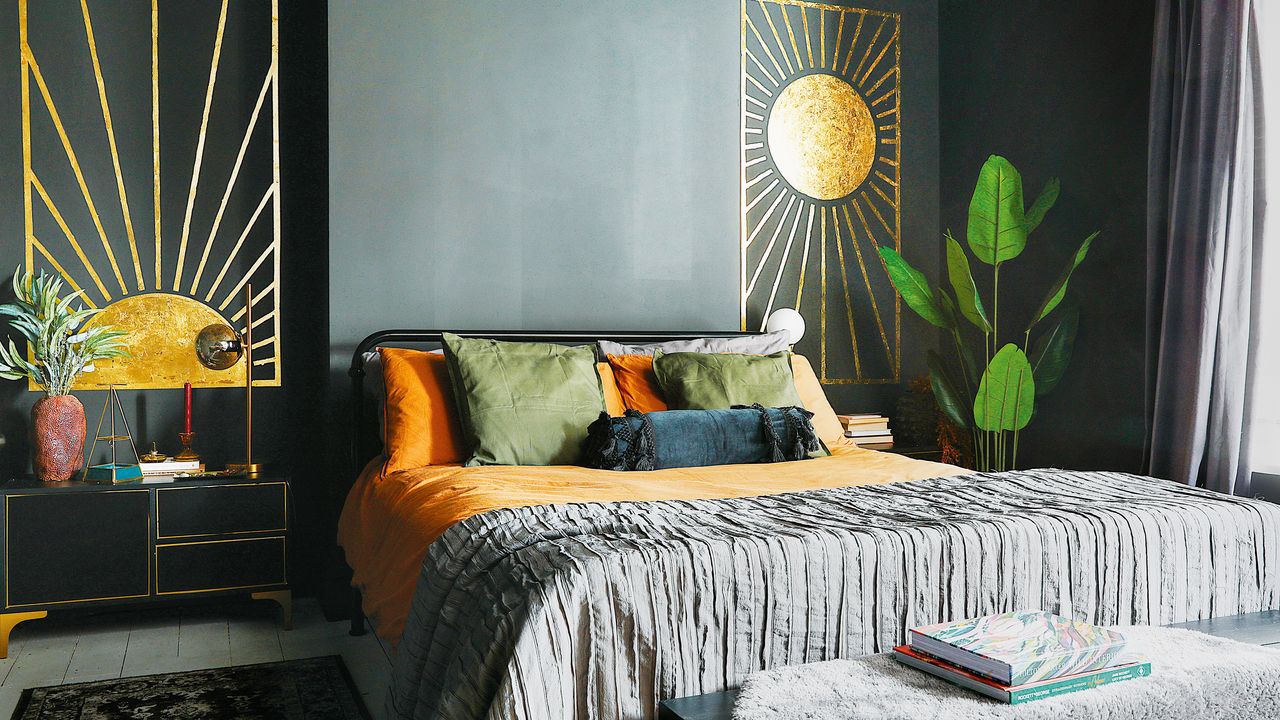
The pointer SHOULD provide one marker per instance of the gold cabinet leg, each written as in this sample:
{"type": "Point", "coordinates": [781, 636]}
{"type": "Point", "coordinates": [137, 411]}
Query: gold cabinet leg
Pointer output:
{"type": "Point", "coordinates": [285, 599]}
{"type": "Point", "coordinates": [8, 621]}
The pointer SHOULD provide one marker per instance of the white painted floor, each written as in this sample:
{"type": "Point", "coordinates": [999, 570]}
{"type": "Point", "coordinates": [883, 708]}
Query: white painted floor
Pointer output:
{"type": "Point", "coordinates": [142, 642]}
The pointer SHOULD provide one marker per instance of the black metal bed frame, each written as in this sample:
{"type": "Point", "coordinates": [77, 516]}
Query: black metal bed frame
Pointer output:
{"type": "Point", "coordinates": [361, 451]}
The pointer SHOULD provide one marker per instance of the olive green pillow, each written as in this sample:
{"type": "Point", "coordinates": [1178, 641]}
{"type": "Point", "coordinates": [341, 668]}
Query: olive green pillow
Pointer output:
{"type": "Point", "coordinates": [710, 381]}
{"type": "Point", "coordinates": [523, 403]}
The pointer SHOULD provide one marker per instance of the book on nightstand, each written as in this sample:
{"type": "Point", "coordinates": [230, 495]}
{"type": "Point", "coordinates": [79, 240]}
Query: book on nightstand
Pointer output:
{"type": "Point", "coordinates": [1128, 668]}
{"type": "Point", "coordinates": [1016, 648]}
{"type": "Point", "coordinates": [868, 430]}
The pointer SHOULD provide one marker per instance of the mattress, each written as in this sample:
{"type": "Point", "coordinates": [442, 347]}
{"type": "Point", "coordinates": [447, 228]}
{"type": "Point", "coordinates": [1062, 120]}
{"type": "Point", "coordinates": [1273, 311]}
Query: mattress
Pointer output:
{"type": "Point", "coordinates": [600, 609]}
{"type": "Point", "coordinates": [389, 520]}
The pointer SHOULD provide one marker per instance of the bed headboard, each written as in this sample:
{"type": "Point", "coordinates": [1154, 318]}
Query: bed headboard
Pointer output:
{"type": "Point", "coordinates": [364, 438]}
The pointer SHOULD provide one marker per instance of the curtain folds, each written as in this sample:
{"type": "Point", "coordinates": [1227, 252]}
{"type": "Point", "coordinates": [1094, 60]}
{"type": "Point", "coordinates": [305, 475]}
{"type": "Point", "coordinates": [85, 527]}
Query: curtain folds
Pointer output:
{"type": "Point", "coordinates": [1204, 240]}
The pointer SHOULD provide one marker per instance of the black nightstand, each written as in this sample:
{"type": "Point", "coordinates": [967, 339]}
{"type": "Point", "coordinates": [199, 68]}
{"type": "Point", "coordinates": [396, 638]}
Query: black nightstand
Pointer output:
{"type": "Point", "coordinates": [76, 544]}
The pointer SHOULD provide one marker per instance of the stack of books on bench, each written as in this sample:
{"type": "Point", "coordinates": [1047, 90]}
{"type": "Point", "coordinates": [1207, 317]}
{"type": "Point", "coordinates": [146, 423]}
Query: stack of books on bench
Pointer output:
{"type": "Point", "coordinates": [868, 430]}
{"type": "Point", "coordinates": [1018, 657]}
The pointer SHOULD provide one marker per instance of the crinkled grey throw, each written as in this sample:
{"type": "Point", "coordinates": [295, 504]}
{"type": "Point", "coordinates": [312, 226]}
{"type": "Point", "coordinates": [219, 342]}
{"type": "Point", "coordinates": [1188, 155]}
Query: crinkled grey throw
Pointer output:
{"type": "Point", "coordinates": [1193, 677]}
{"type": "Point", "coordinates": [599, 610]}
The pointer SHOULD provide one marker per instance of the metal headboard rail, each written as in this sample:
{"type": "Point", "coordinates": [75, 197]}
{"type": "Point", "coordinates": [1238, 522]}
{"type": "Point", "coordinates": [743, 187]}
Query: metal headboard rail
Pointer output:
{"type": "Point", "coordinates": [361, 454]}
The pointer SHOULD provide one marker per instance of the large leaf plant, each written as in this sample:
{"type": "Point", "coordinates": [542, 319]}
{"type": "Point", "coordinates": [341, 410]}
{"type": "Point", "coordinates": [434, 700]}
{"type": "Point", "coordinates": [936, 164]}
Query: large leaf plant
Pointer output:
{"type": "Point", "coordinates": [60, 349]}
{"type": "Point", "coordinates": [993, 401]}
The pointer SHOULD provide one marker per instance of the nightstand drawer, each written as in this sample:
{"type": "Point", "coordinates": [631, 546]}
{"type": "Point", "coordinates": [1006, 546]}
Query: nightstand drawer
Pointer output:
{"type": "Point", "coordinates": [220, 510]}
{"type": "Point", "coordinates": [220, 565]}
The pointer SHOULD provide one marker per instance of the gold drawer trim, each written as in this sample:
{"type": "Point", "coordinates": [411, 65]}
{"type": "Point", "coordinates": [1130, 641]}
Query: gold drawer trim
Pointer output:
{"type": "Point", "coordinates": [284, 565]}
{"type": "Point", "coordinates": [284, 520]}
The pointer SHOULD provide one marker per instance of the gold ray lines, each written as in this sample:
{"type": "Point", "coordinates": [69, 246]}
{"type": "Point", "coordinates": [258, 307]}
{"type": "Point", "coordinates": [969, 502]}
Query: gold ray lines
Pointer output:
{"type": "Point", "coordinates": [111, 142]}
{"type": "Point", "coordinates": [768, 249]}
{"type": "Point", "coordinates": [759, 87]}
{"type": "Point", "coordinates": [155, 126]}
{"type": "Point", "coordinates": [822, 275]}
{"type": "Point", "coordinates": [782, 264]}
{"type": "Point", "coordinates": [870, 46]}
{"type": "Point", "coordinates": [808, 44]}
{"type": "Point", "coordinates": [866, 278]}
{"type": "Point", "coordinates": [893, 39]}
{"type": "Point", "coordinates": [804, 262]}
{"type": "Point", "coordinates": [857, 31]}
{"type": "Point", "coordinates": [839, 33]}
{"type": "Point", "coordinates": [763, 222]}
{"type": "Point", "coordinates": [275, 196]}
{"type": "Point", "coordinates": [880, 82]}
{"type": "Point", "coordinates": [774, 28]}
{"type": "Point", "coordinates": [26, 136]}
{"type": "Point", "coordinates": [204, 126]}
{"type": "Point", "coordinates": [762, 195]}
{"type": "Point", "coordinates": [763, 45]}
{"type": "Point", "coordinates": [256, 298]}
{"type": "Point", "coordinates": [65, 276]}
{"type": "Point", "coordinates": [763, 69]}
{"type": "Point", "coordinates": [231, 182]}
{"type": "Point", "coordinates": [34, 181]}
{"type": "Point", "coordinates": [786, 20]}
{"type": "Point", "coordinates": [71, 157]}
{"type": "Point", "coordinates": [231, 256]}
{"type": "Point", "coordinates": [822, 37]}
{"type": "Point", "coordinates": [844, 280]}
{"type": "Point", "coordinates": [235, 291]}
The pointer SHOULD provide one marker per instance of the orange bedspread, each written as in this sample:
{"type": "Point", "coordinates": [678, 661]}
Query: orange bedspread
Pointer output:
{"type": "Point", "coordinates": [389, 520]}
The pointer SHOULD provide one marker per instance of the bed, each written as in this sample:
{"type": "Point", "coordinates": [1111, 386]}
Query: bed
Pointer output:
{"type": "Point", "coordinates": [558, 592]}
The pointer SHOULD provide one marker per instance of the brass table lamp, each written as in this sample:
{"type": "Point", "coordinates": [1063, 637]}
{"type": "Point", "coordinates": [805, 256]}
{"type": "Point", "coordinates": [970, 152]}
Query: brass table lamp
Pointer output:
{"type": "Point", "coordinates": [219, 347]}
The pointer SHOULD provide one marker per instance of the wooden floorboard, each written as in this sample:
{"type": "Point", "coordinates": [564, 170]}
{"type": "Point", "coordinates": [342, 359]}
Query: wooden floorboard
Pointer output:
{"type": "Point", "coordinates": [128, 643]}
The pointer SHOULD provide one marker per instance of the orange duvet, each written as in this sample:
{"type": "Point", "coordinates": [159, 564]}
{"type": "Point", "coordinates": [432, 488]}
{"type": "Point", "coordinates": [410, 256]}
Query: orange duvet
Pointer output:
{"type": "Point", "coordinates": [389, 520]}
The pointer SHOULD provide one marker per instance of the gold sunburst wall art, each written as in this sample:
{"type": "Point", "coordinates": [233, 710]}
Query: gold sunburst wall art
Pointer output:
{"type": "Point", "coordinates": [821, 180]}
{"type": "Point", "coordinates": [151, 165]}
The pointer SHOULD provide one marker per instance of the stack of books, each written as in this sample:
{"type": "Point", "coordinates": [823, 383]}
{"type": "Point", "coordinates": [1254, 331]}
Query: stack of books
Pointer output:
{"type": "Point", "coordinates": [164, 471]}
{"type": "Point", "coordinates": [868, 430]}
{"type": "Point", "coordinates": [1018, 657]}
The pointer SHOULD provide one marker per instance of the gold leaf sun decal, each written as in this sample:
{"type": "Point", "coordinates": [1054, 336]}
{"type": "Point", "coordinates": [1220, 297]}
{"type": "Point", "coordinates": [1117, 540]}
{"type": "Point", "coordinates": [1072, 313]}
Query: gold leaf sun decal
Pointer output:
{"type": "Point", "coordinates": [821, 186]}
{"type": "Point", "coordinates": [163, 207]}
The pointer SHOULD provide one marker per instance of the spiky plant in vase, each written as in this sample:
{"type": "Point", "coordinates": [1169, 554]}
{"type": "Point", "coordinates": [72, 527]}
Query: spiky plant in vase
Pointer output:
{"type": "Point", "coordinates": [60, 351]}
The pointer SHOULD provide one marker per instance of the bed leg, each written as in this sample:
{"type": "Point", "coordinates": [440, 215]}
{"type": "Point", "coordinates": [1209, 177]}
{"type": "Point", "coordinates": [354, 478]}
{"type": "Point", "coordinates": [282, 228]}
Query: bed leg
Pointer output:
{"type": "Point", "coordinates": [357, 614]}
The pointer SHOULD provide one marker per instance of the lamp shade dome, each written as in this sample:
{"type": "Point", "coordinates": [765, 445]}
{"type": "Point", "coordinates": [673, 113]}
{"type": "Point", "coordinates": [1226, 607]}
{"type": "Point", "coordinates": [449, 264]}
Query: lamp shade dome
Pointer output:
{"type": "Point", "coordinates": [786, 319]}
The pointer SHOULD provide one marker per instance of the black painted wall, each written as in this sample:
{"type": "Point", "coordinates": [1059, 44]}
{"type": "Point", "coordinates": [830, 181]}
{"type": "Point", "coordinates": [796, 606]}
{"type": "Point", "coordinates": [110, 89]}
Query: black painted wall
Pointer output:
{"type": "Point", "coordinates": [1061, 89]}
{"type": "Point", "coordinates": [289, 434]}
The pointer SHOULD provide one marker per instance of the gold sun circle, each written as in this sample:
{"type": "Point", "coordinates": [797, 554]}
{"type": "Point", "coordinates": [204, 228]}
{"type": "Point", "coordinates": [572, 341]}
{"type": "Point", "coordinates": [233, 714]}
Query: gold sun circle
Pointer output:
{"type": "Point", "coordinates": [821, 136]}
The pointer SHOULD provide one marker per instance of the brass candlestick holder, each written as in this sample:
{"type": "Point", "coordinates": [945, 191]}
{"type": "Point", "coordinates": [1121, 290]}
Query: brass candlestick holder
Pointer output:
{"type": "Point", "coordinates": [187, 452]}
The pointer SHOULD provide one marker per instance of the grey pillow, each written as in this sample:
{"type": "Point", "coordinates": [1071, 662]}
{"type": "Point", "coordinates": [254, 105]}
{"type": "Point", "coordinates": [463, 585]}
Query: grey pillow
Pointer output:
{"type": "Point", "coordinates": [762, 344]}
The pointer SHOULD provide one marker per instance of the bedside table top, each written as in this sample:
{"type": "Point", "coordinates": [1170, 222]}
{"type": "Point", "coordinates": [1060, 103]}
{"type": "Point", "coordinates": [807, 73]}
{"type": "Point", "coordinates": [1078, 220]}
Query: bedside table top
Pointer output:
{"type": "Point", "coordinates": [31, 485]}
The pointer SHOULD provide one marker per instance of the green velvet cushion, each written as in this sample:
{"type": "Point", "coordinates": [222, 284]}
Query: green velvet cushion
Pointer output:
{"type": "Point", "coordinates": [523, 403]}
{"type": "Point", "coordinates": [710, 381]}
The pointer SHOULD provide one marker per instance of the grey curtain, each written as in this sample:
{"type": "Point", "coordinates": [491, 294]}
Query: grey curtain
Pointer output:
{"type": "Point", "coordinates": [1205, 204]}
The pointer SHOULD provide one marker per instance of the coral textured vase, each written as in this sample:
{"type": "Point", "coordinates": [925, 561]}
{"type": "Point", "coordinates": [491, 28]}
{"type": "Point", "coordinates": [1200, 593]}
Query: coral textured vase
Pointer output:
{"type": "Point", "coordinates": [57, 437]}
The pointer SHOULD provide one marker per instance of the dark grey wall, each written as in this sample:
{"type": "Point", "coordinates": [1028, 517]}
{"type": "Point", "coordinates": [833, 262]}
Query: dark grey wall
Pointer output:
{"type": "Point", "coordinates": [551, 165]}
{"type": "Point", "coordinates": [1062, 89]}
{"type": "Point", "coordinates": [289, 433]}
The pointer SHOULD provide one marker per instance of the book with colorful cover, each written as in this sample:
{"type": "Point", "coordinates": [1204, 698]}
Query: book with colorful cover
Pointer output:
{"type": "Point", "coordinates": [1016, 648]}
{"type": "Point", "coordinates": [1128, 667]}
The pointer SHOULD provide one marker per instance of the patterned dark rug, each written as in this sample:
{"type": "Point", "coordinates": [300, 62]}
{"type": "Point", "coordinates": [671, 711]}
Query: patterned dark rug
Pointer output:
{"type": "Point", "coordinates": [311, 689]}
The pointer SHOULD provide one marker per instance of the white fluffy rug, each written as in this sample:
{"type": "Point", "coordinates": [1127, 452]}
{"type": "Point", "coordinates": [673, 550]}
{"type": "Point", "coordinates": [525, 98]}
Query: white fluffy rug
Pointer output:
{"type": "Point", "coordinates": [1193, 676]}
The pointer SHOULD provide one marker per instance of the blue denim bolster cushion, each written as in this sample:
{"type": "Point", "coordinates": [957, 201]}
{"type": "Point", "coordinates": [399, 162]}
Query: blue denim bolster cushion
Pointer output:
{"type": "Point", "coordinates": [698, 438]}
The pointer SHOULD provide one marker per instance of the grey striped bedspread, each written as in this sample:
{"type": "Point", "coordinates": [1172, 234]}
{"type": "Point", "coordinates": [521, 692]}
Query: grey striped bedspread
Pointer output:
{"type": "Point", "coordinates": [600, 610]}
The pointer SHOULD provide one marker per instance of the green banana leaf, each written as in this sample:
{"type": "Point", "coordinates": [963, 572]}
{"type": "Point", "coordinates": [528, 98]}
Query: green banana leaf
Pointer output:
{"type": "Point", "coordinates": [1007, 395]}
{"type": "Point", "coordinates": [952, 403]}
{"type": "Point", "coordinates": [970, 301]}
{"type": "Point", "coordinates": [1052, 352]}
{"type": "Point", "coordinates": [947, 305]}
{"type": "Point", "coordinates": [1059, 289]}
{"type": "Point", "coordinates": [913, 287]}
{"type": "Point", "coordinates": [997, 225]}
{"type": "Point", "coordinates": [1048, 196]}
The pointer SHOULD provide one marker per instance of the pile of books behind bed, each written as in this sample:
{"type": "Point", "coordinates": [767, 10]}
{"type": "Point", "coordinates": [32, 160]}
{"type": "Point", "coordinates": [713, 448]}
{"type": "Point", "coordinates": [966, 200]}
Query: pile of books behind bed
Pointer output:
{"type": "Point", "coordinates": [1018, 657]}
{"type": "Point", "coordinates": [868, 430]}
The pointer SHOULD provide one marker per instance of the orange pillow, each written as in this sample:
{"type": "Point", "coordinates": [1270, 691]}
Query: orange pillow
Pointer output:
{"type": "Point", "coordinates": [825, 422]}
{"type": "Point", "coordinates": [639, 388]}
{"type": "Point", "coordinates": [422, 426]}
{"type": "Point", "coordinates": [637, 384]}
{"type": "Point", "coordinates": [612, 398]}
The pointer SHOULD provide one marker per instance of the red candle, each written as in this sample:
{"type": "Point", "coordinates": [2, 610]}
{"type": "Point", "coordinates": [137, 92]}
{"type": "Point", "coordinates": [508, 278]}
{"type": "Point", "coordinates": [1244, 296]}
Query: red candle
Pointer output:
{"type": "Point", "coordinates": [186, 389]}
